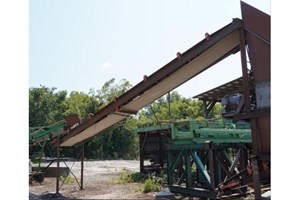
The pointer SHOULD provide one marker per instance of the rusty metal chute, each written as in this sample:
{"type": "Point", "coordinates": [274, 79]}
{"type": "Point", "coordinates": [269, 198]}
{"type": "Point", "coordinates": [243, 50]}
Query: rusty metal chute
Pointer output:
{"type": "Point", "coordinates": [197, 59]}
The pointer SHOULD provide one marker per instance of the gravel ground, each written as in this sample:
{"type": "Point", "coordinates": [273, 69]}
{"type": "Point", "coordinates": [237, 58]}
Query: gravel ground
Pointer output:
{"type": "Point", "coordinates": [98, 182]}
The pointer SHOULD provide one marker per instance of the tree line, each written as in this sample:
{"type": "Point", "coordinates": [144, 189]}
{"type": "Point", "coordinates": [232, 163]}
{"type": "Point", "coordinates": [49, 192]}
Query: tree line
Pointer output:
{"type": "Point", "coordinates": [48, 105]}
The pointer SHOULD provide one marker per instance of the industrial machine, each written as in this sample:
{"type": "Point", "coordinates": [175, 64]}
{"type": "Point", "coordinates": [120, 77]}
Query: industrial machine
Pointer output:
{"type": "Point", "coordinates": [206, 159]}
{"type": "Point", "coordinates": [39, 136]}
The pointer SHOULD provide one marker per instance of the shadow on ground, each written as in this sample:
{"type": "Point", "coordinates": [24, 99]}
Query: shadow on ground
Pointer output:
{"type": "Point", "coordinates": [54, 196]}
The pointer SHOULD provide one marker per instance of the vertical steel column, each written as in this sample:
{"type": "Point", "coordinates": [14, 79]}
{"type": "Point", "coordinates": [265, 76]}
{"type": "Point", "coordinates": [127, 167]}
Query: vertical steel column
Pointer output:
{"type": "Point", "coordinates": [141, 154]}
{"type": "Point", "coordinates": [243, 163]}
{"type": "Point", "coordinates": [169, 170]}
{"type": "Point", "coordinates": [188, 169]}
{"type": "Point", "coordinates": [161, 152]}
{"type": "Point", "coordinates": [211, 162]}
{"type": "Point", "coordinates": [82, 160]}
{"type": "Point", "coordinates": [243, 157]}
{"type": "Point", "coordinates": [244, 71]}
{"type": "Point", "coordinates": [58, 172]}
{"type": "Point", "coordinates": [255, 149]}
{"type": "Point", "coordinates": [219, 171]}
{"type": "Point", "coordinates": [205, 109]}
{"type": "Point", "coordinates": [256, 178]}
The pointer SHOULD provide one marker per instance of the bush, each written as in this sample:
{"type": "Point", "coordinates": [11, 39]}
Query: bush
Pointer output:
{"type": "Point", "coordinates": [151, 182]}
{"type": "Point", "coordinates": [127, 177]}
{"type": "Point", "coordinates": [150, 185]}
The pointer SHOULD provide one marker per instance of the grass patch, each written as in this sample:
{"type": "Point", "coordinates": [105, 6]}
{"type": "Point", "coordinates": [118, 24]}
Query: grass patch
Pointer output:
{"type": "Point", "coordinates": [68, 180]}
{"type": "Point", "coordinates": [128, 177]}
{"type": "Point", "coordinates": [150, 185]}
{"type": "Point", "coordinates": [150, 182]}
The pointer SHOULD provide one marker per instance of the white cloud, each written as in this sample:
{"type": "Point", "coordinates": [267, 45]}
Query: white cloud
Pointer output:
{"type": "Point", "coordinates": [106, 65]}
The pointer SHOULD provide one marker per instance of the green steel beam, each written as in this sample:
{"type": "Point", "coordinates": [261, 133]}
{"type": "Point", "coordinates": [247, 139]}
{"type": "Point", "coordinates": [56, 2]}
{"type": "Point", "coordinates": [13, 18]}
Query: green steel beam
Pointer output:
{"type": "Point", "coordinates": [176, 161]}
{"type": "Point", "coordinates": [202, 171]}
{"type": "Point", "coordinates": [192, 131]}
{"type": "Point", "coordinates": [169, 171]}
{"type": "Point", "coordinates": [188, 169]}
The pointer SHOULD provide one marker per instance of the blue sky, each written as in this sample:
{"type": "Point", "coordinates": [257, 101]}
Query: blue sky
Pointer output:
{"type": "Point", "coordinates": [76, 45]}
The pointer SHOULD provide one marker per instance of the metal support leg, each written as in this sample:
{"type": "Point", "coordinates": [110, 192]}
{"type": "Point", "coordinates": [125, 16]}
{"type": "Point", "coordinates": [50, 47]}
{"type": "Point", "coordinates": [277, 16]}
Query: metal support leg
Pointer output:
{"type": "Point", "coordinates": [244, 71]}
{"type": "Point", "coordinates": [256, 178]}
{"type": "Point", "coordinates": [82, 160]}
{"type": "Point", "coordinates": [169, 164]}
{"type": "Point", "coordinates": [211, 167]}
{"type": "Point", "coordinates": [58, 172]}
{"type": "Point", "coordinates": [161, 152]}
{"type": "Point", "coordinates": [188, 169]}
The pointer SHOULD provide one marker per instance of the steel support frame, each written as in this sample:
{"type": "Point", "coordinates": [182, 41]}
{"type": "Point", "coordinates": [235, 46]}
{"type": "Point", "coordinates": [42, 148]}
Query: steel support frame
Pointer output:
{"type": "Point", "coordinates": [58, 167]}
{"type": "Point", "coordinates": [256, 179]}
{"type": "Point", "coordinates": [212, 163]}
{"type": "Point", "coordinates": [82, 165]}
{"type": "Point", "coordinates": [208, 106]}
{"type": "Point", "coordinates": [253, 118]}
{"type": "Point", "coordinates": [256, 33]}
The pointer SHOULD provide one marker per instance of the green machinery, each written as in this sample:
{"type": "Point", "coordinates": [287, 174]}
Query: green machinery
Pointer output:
{"type": "Point", "coordinates": [206, 159]}
{"type": "Point", "coordinates": [39, 136]}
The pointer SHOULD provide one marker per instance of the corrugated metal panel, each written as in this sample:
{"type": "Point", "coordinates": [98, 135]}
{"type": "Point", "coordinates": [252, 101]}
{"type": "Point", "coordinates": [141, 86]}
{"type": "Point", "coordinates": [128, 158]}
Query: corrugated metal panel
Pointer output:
{"type": "Point", "coordinates": [232, 87]}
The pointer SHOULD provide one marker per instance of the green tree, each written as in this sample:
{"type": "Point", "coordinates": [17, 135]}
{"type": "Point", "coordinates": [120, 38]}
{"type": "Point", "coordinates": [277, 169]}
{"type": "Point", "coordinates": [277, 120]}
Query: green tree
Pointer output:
{"type": "Point", "coordinates": [45, 105]}
{"type": "Point", "coordinates": [81, 104]}
{"type": "Point", "coordinates": [170, 107]}
{"type": "Point", "coordinates": [111, 90]}
{"type": "Point", "coordinates": [118, 141]}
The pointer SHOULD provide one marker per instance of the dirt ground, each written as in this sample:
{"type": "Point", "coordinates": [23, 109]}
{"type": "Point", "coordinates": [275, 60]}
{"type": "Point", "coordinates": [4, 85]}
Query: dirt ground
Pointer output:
{"type": "Point", "coordinates": [99, 182]}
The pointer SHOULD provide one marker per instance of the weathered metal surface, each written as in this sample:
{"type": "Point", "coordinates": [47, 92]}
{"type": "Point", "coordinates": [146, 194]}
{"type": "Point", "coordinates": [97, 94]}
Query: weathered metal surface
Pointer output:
{"type": "Point", "coordinates": [259, 55]}
{"type": "Point", "coordinates": [198, 132]}
{"type": "Point", "coordinates": [246, 82]}
{"type": "Point", "coordinates": [72, 121]}
{"type": "Point", "coordinates": [202, 146]}
{"type": "Point", "coordinates": [216, 94]}
{"type": "Point", "coordinates": [195, 132]}
{"type": "Point", "coordinates": [153, 147]}
{"type": "Point", "coordinates": [217, 173]}
{"type": "Point", "coordinates": [263, 94]}
{"type": "Point", "coordinates": [259, 51]}
{"type": "Point", "coordinates": [261, 135]}
{"type": "Point", "coordinates": [257, 29]}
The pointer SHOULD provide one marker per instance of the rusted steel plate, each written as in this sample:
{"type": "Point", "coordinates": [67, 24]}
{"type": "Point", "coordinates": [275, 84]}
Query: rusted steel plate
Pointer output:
{"type": "Point", "coordinates": [257, 25]}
